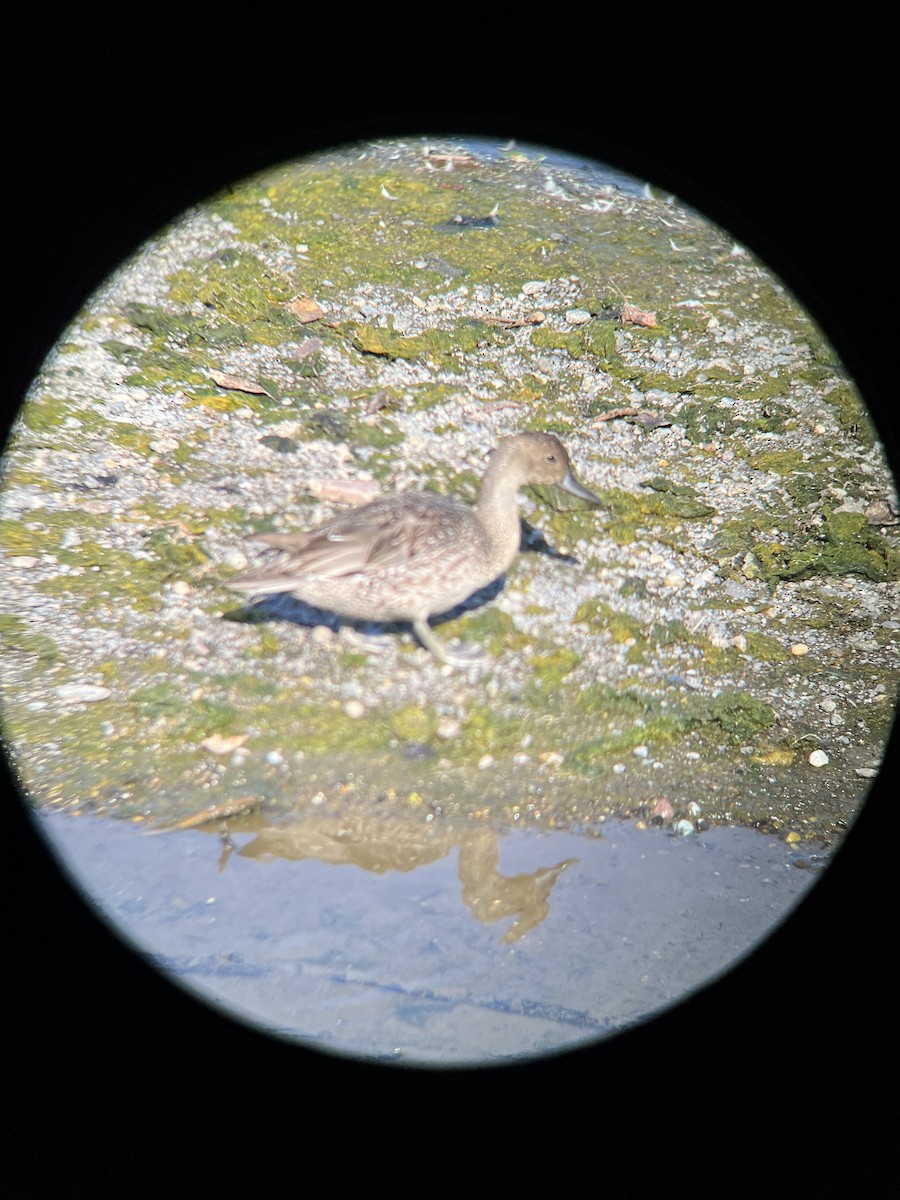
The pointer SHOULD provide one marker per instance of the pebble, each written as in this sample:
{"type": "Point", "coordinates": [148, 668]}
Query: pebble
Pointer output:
{"type": "Point", "coordinates": [683, 828]}
{"type": "Point", "coordinates": [485, 761]}
{"type": "Point", "coordinates": [355, 709]}
{"type": "Point", "coordinates": [533, 287]}
{"type": "Point", "coordinates": [818, 758]}
{"type": "Point", "coordinates": [577, 316]}
{"type": "Point", "coordinates": [275, 758]}
{"type": "Point", "coordinates": [81, 693]}
{"type": "Point", "coordinates": [865, 772]}
{"type": "Point", "coordinates": [641, 752]}
{"type": "Point", "coordinates": [799, 649]}
{"type": "Point", "coordinates": [22, 560]}
{"type": "Point", "coordinates": [448, 727]}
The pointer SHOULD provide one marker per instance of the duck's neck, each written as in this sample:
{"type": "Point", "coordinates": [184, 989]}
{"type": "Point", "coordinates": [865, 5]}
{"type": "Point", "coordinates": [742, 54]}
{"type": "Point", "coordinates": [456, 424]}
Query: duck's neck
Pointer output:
{"type": "Point", "coordinates": [497, 511]}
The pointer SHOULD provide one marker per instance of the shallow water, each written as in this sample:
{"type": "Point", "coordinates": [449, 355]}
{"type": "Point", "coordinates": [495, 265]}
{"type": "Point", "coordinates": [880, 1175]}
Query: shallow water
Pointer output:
{"type": "Point", "coordinates": [474, 948]}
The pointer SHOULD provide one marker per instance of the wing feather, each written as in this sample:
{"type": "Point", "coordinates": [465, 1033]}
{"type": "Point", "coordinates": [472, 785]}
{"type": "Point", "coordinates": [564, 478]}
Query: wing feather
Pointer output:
{"type": "Point", "coordinates": [387, 533]}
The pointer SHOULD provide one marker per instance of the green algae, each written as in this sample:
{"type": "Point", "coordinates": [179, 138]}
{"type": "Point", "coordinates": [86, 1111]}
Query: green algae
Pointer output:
{"type": "Point", "coordinates": [735, 717]}
{"type": "Point", "coordinates": [604, 618]}
{"type": "Point", "coordinates": [596, 339]}
{"type": "Point", "coordinates": [490, 628]}
{"type": "Point", "coordinates": [487, 730]}
{"type": "Point", "coordinates": [804, 490]}
{"type": "Point", "coordinates": [16, 635]}
{"type": "Point", "coordinates": [676, 500]}
{"type": "Point", "coordinates": [18, 538]}
{"type": "Point", "coordinates": [435, 344]}
{"type": "Point", "coordinates": [846, 545]}
{"type": "Point", "coordinates": [766, 648]}
{"type": "Point", "coordinates": [550, 668]}
{"type": "Point", "coordinates": [666, 505]}
{"type": "Point", "coordinates": [852, 414]}
{"type": "Point", "coordinates": [314, 220]}
{"type": "Point", "coordinates": [413, 724]}
{"type": "Point", "coordinates": [624, 629]}
{"type": "Point", "coordinates": [45, 415]}
{"type": "Point", "coordinates": [782, 462]}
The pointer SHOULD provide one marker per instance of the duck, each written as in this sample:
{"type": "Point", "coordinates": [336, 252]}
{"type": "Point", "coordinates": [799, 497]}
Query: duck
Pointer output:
{"type": "Point", "coordinates": [414, 555]}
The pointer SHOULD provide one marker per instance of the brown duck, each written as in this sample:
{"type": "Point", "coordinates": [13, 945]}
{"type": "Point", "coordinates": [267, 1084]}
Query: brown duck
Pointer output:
{"type": "Point", "coordinates": [411, 556]}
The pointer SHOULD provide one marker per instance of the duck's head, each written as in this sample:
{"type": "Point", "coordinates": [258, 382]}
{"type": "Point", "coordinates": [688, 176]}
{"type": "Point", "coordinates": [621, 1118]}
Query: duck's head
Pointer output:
{"type": "Point", "coordinates": [530, 458]}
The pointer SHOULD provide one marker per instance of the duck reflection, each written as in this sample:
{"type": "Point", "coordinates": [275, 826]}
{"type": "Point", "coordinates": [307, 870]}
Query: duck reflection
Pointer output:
{"type": "Point", "coordinates": [392, 844]}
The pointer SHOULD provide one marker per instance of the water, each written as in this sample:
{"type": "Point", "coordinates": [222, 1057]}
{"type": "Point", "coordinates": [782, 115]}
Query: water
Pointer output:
{"type": "Point", "coordinates": [475, 948]}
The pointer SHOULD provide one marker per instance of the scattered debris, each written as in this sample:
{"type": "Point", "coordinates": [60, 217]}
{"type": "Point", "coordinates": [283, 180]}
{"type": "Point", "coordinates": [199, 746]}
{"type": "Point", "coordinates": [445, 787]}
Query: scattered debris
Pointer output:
{"type": "Point", "coordinates": [882, 512]}
{"type": "Point", "coordinates": [533, 318]}
{"type": "Point", "coordinates": [634, 416]}
{"type": "Point", "coordinates": [217, 743]}
{"type": "Point", "coordinates": [381, 399]}
{"type": "Point", "coordinates": [305, 309]}
{"type": "Point", "coordinates": [636, 316]}
{"type": "Point", "coordinates": [216, 812]}
{"type": "Point", "coordinates": [234, 383]}
{"type": "Point", "coordinates": [447, 162]}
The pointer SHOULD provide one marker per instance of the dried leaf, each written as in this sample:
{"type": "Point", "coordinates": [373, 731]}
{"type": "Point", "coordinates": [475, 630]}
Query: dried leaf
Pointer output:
{"type": "Point", "coordinates": [533, 318]}
{"type": "Point", "coordinates": [216, 812]}
{"type": "Point", "coordinates": [306, 310]}
{"type": "Point", "coordinates": [613, 414]}
{"type": "Point", "coordinates": [454, 160]}
{"type": "Point", "coordinates": [234, 383]}
{"type": "Point", "coordinates": [217, 744]}
{"type": "Point", "coordinates": [631, 313]}
{"type": "Point", "coordinates": [881, 512]}
{"type": "Point", "coordinates": [350, 491]}
{"type": "Point", "coordinates": [380, 400]}
{"type": "Point", "coordinates": [635, 416]}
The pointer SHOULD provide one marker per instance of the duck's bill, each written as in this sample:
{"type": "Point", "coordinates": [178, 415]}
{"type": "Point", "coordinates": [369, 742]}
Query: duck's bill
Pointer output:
{"type": "Point", "coordinates": [571, 485]}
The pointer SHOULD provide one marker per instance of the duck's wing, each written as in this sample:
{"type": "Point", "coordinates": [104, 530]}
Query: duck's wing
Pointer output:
{"type": "Point", "coordinates": [386, 533]}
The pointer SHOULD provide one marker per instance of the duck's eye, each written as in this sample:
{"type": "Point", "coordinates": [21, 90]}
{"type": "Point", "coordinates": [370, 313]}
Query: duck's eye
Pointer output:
{"type": "Point", "coordinates": [551, 458]}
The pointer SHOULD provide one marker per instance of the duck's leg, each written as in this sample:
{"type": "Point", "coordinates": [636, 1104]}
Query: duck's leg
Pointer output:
{"type": "Point", "coordinates": [461, 656]}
